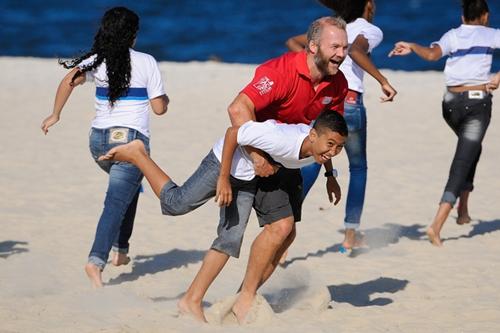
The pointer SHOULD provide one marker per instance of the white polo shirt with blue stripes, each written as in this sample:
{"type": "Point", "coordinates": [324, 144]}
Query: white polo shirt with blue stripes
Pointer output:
{"type": "Point", "coordinates": [470, 53]}
{"type": "Point", "coordinates": [132, 109]}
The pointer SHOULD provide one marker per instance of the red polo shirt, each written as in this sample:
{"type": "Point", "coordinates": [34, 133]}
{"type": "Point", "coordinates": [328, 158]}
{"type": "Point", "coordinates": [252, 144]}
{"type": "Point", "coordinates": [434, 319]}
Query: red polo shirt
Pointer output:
{"type": "Point", "coordinates": [282, 89]}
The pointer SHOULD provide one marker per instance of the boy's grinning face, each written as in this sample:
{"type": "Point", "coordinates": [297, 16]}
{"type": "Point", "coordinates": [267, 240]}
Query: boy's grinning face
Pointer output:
{"type": "Point", "coordinates": [326, 144]}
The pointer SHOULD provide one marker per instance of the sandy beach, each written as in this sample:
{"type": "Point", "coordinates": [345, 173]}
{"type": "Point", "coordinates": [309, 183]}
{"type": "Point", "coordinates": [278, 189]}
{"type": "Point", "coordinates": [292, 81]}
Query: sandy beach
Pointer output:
{"type": "Point", "coordinates": [52, 194]}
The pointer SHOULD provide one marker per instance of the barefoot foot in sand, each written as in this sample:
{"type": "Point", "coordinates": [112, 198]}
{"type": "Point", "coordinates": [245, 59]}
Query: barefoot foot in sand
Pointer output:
{"type": "Point", "coordinates": [94, 274]}
{"type": "Point", "coordinates": [191, 308]}
{"type": "Point", "coordinates": [434, 236]}
{"type": "Point", "coordinates": [242, 307]}
{"type": "Point", "coordinates": [120, 259]}
{"type": "Point", "coordinates": [463, 219]}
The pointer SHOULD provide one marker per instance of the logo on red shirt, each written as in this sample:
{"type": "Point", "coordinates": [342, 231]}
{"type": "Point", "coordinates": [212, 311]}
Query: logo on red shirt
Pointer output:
{"type": "Point", "coordinates": [264, 85]}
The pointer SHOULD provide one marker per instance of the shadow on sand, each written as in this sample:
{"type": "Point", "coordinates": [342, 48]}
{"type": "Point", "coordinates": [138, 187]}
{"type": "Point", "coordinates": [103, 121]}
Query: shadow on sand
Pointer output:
{"type": "Point", "coordinates": [374, 238]}
{"type": "Point", "coordinates": [478, 229]}
{"type": "Point", "coordinates": [8, 248]}
{"type": "Point", "coordinates": [152, 264]}
{"type": "Point", "coordinates": [359, 294]}
{"type": "Point", "coordinates": [355, 294]}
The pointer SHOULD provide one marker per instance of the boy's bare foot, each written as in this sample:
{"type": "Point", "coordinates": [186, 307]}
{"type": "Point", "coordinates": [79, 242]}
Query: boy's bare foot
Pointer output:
{"type": "Point", "coordinates": [463, 219]}
{"type": "Point", "coordinates": [434, 236]}
{"type": "Point", "coordinates": [283, 257]}
{"type": "Point", "coordinates": [126, 152]}
{"type": "Point", "coordinates": [190, 308]}
{"type": "Point", "coordinates": [94, 274]}
{"type": "Point", "coordinates": [120, 259]}
{"type": "Point", "coordinates": [242, 307]}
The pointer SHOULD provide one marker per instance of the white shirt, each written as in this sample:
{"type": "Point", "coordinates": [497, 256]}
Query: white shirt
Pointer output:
{"type": "Point", "coordinates": [470, 50]}
{"type": "Point", "coordinates": [281, 141]}
{"type": "Point", "coordinates": [131, 110]}
{"type": "Point", "coordinates": [353, 73]}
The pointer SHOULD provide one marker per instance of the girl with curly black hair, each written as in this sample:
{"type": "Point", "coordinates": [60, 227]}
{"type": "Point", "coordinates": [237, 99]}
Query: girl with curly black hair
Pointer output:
{"type": "Point", "coordinates": [127, 84]}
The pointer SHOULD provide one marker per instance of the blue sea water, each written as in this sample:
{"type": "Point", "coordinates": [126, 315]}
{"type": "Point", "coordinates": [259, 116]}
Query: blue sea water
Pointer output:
{"type": "Point", "coordinates": [228, 30]}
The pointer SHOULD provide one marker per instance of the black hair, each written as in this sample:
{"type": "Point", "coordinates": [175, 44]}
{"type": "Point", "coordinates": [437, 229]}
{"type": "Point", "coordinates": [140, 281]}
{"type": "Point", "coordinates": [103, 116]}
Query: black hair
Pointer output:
{"type": "Point", "coordinates": [474, 9]}
{"type": "Point", "coordinates": [115, 36]}
{"type": "Point", "coordinates": [349, 10]}
{"type": "Point", "coordinates": [331, 120]}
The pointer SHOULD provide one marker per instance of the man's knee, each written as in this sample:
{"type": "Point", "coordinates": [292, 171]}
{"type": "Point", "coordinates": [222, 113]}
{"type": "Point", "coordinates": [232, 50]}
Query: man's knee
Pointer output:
{"type": "Point", "coordinates": [281, 229]}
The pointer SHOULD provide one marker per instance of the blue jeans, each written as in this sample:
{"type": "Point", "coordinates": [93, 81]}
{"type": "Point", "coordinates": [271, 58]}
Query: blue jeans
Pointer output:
{"type": "Point", "coordinates": [198, 189]}
{"type": "Point", "coordinates": [117, 219]}
{"type": "Point", "coordinates": [355, 146]}
{"type": "Point", "coordinates": [469, 119]}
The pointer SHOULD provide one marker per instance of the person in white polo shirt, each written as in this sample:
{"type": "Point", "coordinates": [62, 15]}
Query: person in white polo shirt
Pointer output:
{"type": "Point", "coordinates": [127, 84]}
{"type": "Point", "coordinates": [466, 103]}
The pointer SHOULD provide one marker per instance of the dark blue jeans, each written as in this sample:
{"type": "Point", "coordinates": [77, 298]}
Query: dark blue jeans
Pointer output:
{"type": "Point", "coordinates": [355, 146]}
{"type": "Point", "coordinates": [469, 119]}
{"type": "Point", "coordinates": [117, 219]}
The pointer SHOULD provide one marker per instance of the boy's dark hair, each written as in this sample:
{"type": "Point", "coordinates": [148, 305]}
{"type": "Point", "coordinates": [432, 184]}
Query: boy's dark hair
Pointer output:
{"type": "Point", "coordinates": [331, 120]}
{"type": "Point", "coordinates": [474, 9]}
{"type": "Point", "coordinates": [349, 10]}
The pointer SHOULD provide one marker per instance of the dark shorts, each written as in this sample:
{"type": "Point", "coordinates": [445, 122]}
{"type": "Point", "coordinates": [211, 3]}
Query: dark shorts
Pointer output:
{"type": "Point", "coordinates": [279, 196]}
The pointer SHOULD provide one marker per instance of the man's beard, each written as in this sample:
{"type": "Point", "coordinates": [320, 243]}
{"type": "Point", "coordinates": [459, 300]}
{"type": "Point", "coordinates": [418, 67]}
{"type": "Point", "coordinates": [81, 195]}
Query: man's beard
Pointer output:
{"type": "Point", "coordinates": [322, 62]}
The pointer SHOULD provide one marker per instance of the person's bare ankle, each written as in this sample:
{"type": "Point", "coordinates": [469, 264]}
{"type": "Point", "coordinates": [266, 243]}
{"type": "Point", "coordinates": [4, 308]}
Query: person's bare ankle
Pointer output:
{"type": "Point", "coordinates": [192, 308]}
{"type": "Point", "coordinates": [434, 237]}
{"type": "Point", "coordinates": [94, 274]}
{"type": "Point", "coordinates": [349, 238]}
{"type": "Point", "coordinates": [120, 259]}
{"type": "Point", "coordinates": [242, 306]}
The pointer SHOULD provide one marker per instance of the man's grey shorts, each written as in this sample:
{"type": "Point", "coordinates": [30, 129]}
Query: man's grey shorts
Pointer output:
{"type": "Point", "coordinates": [279, 196]}
{"type": "Point", "coordinates": [201, 187]}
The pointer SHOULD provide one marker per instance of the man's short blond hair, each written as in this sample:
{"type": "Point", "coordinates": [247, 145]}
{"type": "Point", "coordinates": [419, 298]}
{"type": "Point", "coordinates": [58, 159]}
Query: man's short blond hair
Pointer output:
{"type": "Point", "coordinates": [316, 28]}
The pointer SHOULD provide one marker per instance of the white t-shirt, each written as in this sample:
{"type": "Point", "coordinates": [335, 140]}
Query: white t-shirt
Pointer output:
{"type": "Point", "coordinates": [470, 50]}
{"type": "Point", "coordinates": [131, 110]}
{"type": "Point", "coordinates": [353, 73]}
{"type": "Point", "coordinates": [281, 141]}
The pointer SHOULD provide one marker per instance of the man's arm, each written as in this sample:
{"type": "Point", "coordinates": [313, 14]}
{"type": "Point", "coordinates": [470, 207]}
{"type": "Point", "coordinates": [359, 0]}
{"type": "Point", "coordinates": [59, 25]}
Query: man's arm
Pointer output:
{"type": "Point", "coordinates": [432, 53]}
{"type": "Point", "coordinates": [297, 43]}
{"type": "Point", "coordinates": [240, 111]}
{"type": "Point", "coordinates": [359, 54]}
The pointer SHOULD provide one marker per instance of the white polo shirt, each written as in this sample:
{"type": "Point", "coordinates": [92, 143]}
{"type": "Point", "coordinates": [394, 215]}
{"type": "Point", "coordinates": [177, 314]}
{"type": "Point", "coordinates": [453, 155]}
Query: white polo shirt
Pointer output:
{"type": "Point", "coordinates": [470, 53]}
{"type": "Point", "coordinates": [131, 110]}
{"type": "Point", "coordinates": [281, 141]}
{"type": "Point", "coordinates": [352, 72]}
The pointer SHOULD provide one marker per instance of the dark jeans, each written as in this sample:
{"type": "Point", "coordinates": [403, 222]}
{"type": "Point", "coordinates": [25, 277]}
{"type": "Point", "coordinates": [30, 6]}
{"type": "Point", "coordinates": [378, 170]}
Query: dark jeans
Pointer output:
{"type": "Point", "coordinates": [469, 119]}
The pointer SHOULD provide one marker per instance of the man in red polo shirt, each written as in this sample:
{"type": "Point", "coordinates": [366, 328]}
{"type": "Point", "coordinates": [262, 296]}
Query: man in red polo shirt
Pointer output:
{"type": "Point", "coordinates": [293, 88]}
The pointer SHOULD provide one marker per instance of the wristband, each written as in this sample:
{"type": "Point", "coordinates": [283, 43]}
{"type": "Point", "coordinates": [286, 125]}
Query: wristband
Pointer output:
{"type": "Point", "coordinates": [331, 173]}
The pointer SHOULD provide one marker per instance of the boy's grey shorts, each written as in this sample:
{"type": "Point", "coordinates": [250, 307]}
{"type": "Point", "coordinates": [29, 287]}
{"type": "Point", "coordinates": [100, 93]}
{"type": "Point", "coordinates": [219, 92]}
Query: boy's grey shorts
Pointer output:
{"type": "Point", "coordinates": [198, 189]}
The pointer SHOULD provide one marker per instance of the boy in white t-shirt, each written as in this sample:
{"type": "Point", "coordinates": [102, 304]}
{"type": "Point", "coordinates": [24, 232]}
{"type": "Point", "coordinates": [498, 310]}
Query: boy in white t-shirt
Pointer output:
{"type": "Point", "coordinates": [227, 173]}
{"type": "Point", "coordinates": [466, 103]}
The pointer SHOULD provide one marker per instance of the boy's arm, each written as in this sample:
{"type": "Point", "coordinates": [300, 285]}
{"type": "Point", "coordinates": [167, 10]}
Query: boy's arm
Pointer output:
{"type": "Point", "coordinates": [159, 104]}
{"type": "Point", "coordinates": [359, 53]}
{"type": "Point", "coordinates": [332, 186]}
{"type": "Point", "coordinates": [223, 194]}
{"type": "Point", "coordinates": [63, 92]}
{"type": "Point", "coordinates": [240, 111]}
{"type": "Point", "coordinates": [297, 43]}
{"type": "Point", "coordinates": [432, 53]}
{"type": "Point", "coordinates": [494, 83]}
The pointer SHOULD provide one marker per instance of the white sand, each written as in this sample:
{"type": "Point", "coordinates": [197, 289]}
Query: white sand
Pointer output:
{"type": "Point", "coordinates": [52, 194]}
